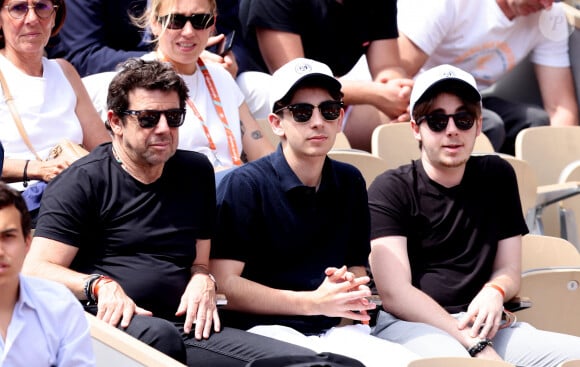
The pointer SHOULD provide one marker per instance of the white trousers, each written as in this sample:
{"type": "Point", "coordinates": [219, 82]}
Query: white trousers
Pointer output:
{"type": "Point", "coordinates": [352, 341]}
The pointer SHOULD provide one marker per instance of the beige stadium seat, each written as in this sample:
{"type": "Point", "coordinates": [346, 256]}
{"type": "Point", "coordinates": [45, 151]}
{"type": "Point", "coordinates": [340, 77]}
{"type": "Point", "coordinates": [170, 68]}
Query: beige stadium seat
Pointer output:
{"type": "Point", "coordinates": [527, 185]}
{"type": "Point", "coordinates": [535, 198]}
{"type": "Point", "coordinates": [551, 279]}
{"type": "Point", "coordinates": [541, 252]}
{"type": "Point", "coordinates": [570, 208]}
{"type": "Point", "coordinates": [114, 347]}
{"type": "Point", "coordinates": [396, 144]}
{"type": "Point", "coordinates": [369, 165]}
{"type": "Point", "coordinates": [457, 362]}
{"type": "Point", "coordinates": [549, 149]}
{"type": "Point", "coordinates": [341, 142]}
{"type": "Point", "coordinates": [555, 296]}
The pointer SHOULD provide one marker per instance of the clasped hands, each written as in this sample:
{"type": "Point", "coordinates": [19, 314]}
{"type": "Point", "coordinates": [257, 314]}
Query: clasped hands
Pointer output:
{"type": "Point", "coordinates": [392, 98]}
{"type": "Point", "coordinates": [342, 294]}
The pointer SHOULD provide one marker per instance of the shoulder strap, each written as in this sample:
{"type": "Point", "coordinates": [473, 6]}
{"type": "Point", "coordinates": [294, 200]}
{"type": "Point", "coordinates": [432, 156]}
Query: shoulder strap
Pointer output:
{"type": "Point", "coordinates": [10, 103]}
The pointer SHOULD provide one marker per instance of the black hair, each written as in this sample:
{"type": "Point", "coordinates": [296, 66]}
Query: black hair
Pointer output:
{"type": "Point", "coordinates": [151, 75]}
{"type": "Point", "coordinates": [9, 197]}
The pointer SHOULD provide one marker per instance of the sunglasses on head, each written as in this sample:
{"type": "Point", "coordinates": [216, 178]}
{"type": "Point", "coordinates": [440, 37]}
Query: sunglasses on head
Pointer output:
{"type": "Point", "coordinates": [19, 10]}
{"type": "Point", "coordinates": [150, 118]}
{"type": "Point", "coordinates": [437, 122]}
{"type": "Point", "coordinates": [302, 112]}
{"type": "Point", "coordinates": [177, 21]}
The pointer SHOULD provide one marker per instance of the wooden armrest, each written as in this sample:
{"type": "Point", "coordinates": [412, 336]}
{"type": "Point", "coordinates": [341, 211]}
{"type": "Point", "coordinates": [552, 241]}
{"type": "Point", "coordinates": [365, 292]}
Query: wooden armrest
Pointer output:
{"type": "Point", "coordinates": [517, 303]}
{"type": "Point", "coordinates": [114, 347]}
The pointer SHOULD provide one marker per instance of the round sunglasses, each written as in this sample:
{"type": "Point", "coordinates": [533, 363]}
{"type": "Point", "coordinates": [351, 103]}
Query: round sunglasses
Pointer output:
{"type": "Point", "coordinates": [438, 122]}
{"type": "Point", "coordinates": [302, 112]}
{"type": "Point", "coordinates": [19, 10]}
{"type": "Point", "coordinates": [178, 21]}
{"type": "Point", "coordinates": [148, 119]}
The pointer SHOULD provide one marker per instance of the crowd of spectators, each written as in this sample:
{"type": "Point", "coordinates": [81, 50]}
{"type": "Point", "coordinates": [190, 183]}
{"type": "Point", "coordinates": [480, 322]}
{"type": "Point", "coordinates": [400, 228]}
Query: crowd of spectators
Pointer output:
{"type": "Point", "coordinates": [181, 192]}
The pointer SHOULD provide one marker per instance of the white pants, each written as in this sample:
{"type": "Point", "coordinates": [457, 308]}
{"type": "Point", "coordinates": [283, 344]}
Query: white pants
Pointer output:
{"type": "Point", "coordinates": [352, 341]}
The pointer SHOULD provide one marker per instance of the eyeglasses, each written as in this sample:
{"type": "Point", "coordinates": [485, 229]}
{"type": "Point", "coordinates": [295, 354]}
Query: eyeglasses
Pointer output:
{"type": "Point", "coordinates": [302, 112]}
{"type": "Point", "coordinates": [20, 9]}
{"type": "Point", "coordinates": [177, 21]}
{"type": "Point", "coordinates": [437, 122]}
{"type": "Point", "coordinates": [150, 118]}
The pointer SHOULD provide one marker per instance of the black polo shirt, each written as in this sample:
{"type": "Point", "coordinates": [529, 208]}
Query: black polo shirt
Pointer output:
{"type": "Point", "coordinates": [287, 234]}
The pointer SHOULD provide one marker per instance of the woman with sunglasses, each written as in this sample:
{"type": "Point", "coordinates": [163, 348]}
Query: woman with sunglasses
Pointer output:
{"type": "Point", "coordinates": [43, 101]}
{"type": "Point", "coordinates": [218, 122]}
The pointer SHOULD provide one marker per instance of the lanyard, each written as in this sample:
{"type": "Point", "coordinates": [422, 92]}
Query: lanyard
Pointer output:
{"type": "Point", "coordinates": [232, 145]}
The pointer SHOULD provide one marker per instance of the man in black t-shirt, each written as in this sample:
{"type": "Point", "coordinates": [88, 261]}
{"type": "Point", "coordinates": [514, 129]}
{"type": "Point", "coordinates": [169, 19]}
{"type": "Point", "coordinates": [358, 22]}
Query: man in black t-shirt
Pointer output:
{"type": "Point", "coordinates": [446, 238]}
{"type": "Point", "coordinates": [128, 228]}
{"type": "Point", "coordinates": [336, 33]}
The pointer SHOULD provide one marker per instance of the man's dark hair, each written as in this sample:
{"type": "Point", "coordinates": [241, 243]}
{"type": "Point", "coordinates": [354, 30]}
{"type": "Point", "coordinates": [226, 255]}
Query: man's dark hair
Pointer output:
{"type": "Point", "coordinates": [9, 197]}
{"type": "Point", "coordinates": [150, 75]}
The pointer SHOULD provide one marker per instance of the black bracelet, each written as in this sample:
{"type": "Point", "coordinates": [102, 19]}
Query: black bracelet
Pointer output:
{"type": "Point", "coordinates": [88, 288]}
{"type": "Point", "coordinates": [25, 174]}
{"type": "Point", "coordinates": [479, 346]}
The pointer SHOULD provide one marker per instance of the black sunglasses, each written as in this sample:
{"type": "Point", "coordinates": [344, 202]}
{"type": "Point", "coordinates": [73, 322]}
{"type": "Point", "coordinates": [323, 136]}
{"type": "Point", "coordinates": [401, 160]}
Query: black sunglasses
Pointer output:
{"type": "Point", "coordinates": [302, 112]}
{"type": "Point", "coordinates": [150, 118]}
{"type": "Point", "coordinates": [437, 122]}
{"type": "Point", "coordinates": [177, 21]}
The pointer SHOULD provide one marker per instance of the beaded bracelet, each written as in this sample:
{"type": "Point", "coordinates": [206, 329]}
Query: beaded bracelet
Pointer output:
{"type": "Point", "coordinates": [479, 346]}
{"type": "Point", "coordinates": [103, 279]}
{"type": "Point", "coordinates": [497, 287]}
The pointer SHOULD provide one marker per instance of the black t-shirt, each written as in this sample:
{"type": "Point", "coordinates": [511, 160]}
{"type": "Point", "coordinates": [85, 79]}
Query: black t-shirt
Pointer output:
{"type": "Point", "coordinates": [452, 233]}
{"type": "Point", "coordinates": [333, 33]}
{"type": "Point", "coordinates": [143, 236]}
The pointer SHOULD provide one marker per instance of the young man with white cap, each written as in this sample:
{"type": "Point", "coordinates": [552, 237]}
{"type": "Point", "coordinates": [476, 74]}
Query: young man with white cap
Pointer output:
{"type": "Point", "coordinates": [446, 238]}
{"type": "Point", "coordinates": [292, 236]}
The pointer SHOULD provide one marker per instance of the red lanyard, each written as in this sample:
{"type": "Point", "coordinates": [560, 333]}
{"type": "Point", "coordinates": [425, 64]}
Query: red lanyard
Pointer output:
{"type": "Point", "coordinates": [232, 145]}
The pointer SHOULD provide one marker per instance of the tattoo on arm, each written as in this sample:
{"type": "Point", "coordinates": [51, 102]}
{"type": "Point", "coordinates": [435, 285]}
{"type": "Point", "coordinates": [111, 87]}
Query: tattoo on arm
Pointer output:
{"type": "Point", "coordinates": [256, 134]}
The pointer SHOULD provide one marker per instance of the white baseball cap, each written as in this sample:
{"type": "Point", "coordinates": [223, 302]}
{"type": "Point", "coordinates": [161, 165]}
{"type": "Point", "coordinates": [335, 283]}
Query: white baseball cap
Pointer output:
{"type": "Point", "coordinates": [288, 77]}
{"type": "Point", "coordinates": [444, 75]}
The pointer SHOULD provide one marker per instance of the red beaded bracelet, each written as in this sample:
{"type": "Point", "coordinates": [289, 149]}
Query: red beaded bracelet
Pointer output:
{"type": "Point", "coordinates": [103, 279]}
{"type": "Point", "coordinates": [497, 287]}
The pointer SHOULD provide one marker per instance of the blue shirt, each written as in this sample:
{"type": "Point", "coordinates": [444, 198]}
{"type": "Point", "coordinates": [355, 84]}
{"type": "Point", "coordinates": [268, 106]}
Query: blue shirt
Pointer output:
{"type": "Point", "coordinates": [48, 328]}
{"type": "Point", "coordinates": [287, 233]}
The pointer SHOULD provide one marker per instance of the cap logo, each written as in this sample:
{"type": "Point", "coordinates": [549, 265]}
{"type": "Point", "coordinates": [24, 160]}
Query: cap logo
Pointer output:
{"type": "Point", "coordinates": [448, 74]}
{"type": "Point", "coordinates": [303, 68]}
